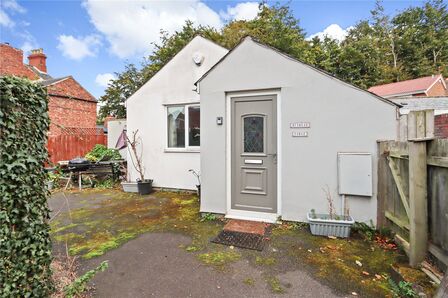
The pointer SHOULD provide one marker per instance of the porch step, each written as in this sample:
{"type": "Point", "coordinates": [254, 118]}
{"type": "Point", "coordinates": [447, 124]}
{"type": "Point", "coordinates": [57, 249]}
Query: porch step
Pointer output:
{"type": "Point", "coordinates": [246, 226]}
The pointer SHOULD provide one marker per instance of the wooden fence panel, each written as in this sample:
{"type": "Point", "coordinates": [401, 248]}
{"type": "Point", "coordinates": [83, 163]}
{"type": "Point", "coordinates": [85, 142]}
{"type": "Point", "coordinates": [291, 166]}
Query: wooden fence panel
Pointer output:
{"type": "Point", "coordinates": [391, 210]}
{"type": "Point", "coordinates": [438, 193]}
{"type": "Point", "coordinates": [66, 147]}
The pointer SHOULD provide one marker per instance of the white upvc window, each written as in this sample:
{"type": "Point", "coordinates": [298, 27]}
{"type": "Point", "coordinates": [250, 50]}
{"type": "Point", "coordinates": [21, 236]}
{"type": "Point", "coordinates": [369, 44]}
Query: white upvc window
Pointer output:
{"type": "Point", "coordinates": [183, 127]}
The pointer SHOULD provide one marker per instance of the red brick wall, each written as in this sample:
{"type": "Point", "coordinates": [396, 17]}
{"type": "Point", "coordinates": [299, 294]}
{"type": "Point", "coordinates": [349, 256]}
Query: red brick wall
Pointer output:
{"type": "Point", "coordinates": [70, 105]}
{"type": "Point", "coordinates": [437, 90]}
{"type": "Point", "coordinates": [11, 63]}
{"type": "Point", "coordinates": [441, 126]}
{"type": "Point", "coordinates": [70, 113]}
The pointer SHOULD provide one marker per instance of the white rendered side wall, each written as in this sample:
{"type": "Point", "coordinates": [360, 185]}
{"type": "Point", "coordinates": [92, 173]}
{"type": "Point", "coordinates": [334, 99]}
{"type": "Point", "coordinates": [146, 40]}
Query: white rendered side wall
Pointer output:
{"type": "Point", "coordinates": [146, 112]}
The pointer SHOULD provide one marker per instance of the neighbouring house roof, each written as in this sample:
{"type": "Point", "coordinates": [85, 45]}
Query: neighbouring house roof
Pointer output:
{"type": "Point", "coordinates": [52, 81]}
{"type": "Point", "coordinates": [409, 87]}
{"type": "Point", "coordinates": [439, 104]}
{"type": "Point", "coordinates": [11, 63]}
{"type": "Point", "coordinates": [327, 74]}
{"type": "Point", "coordinates": [42, 75]}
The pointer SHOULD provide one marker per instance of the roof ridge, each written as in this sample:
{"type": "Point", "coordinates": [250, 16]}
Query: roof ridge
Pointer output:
{"type": "Point", "coordinates": [435, 77]}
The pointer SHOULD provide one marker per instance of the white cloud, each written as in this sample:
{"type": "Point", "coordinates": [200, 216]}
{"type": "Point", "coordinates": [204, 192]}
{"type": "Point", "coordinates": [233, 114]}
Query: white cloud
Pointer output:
{"type": "Point", "coordinates": [333, 31]}
{"type": "Point", "coordinates": [242, 11]}
{"type": "Point", "coordinates": [27, 46]}
{"type": "Point", "coordinates": [5, 20]}
{"type": "Point", "coordinates": [77, 48]}
{"type": "Point", "coordinates": [8, 7]}
{"type": "Point", "coordinates": [103, 79]}
{"type": "Point", "coordinates": [131, 27]}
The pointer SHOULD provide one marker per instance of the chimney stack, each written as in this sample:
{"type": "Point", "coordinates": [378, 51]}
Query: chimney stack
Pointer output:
{"type": "Point", "coordinates": [38, 60]}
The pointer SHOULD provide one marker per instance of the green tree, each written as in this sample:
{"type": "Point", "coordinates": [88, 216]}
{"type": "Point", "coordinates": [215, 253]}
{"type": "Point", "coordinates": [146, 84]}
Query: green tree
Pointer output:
{"type": "Point", "coordinates": [113, 101]}
{"type": "Point", "coordinates": [325, 54]}
{"type": "Point", "coordinates": [360, 56]}
{"type": "Point", "coordinates": [275, 26]}
{"type": "Point", "coordinates": [423, 39]}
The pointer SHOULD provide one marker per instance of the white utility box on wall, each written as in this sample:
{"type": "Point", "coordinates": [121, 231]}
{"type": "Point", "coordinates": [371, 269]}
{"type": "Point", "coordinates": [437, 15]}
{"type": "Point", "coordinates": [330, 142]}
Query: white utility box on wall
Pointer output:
{"type": "Point", "coordinates": [355, 174]}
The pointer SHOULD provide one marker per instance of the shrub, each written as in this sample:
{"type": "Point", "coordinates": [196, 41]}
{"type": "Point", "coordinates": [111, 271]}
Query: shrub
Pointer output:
{"type": "Point", "coordinates": [101, 152]}
{"type": "Point", "coordinates": [25, 247]}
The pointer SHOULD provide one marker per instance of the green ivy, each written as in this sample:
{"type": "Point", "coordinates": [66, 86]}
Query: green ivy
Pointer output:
{"type": "Point", "coordinates": [25, 247]}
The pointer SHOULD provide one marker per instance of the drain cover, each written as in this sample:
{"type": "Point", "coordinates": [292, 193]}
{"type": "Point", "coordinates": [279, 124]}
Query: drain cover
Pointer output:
{"type": "Point", "coordinates": [239, 239]}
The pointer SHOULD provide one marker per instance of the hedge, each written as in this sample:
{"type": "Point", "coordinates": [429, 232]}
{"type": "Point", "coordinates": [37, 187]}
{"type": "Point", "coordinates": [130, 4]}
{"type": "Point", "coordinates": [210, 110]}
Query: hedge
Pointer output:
{"type": "Point", "coordinates": [25, 247]}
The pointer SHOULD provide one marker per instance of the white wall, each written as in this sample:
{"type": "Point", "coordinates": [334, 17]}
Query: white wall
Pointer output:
{"type": "Point", "coordinates": [114, 129]}
{"type": "Point", "coordinates": [146, 111]}
{"type": "Point", "coordinates": [343, 119]}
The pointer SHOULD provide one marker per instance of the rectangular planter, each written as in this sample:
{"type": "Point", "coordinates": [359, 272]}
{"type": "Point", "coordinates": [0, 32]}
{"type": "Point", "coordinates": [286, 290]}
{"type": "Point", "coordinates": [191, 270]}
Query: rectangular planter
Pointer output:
{"type": "Point", "coordinates": [129, 186]}
{"type": "Point", "coordinates": [322, 225]}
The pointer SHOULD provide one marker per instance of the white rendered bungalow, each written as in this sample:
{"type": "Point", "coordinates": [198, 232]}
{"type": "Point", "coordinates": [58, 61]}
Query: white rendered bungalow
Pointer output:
{"type": "Point", "coordinates": [273, 133]}
{"type": "Point", "coordinates": [166, 113]}
{"type": "Point", "coordinates": [277, 135]}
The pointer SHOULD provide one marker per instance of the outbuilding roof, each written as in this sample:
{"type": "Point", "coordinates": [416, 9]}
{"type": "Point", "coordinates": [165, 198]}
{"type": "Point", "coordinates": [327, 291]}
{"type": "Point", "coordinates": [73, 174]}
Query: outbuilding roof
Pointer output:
{"type": "Point", "coordinates": [331, 76]}
{"type": "Point", "coordinates": [409, 87]}
{"type": "Point", "coordinates": [439, 104]}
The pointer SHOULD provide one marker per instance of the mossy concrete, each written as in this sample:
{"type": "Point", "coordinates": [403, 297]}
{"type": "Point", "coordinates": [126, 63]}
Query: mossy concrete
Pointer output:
{"type": "Point", "coordinates": [99, 221]}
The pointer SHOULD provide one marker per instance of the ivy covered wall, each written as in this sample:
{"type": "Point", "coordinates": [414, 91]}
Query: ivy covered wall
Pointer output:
{"type": "Point", "coordinates": [25, 248]}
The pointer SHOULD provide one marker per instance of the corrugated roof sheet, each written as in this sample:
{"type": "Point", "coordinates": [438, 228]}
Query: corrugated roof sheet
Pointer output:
{"type": "Point", "coordinates": [438, 104]}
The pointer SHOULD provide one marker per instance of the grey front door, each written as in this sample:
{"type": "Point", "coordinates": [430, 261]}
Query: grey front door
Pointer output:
{"type": "Point", "coordinates": [254, 153]}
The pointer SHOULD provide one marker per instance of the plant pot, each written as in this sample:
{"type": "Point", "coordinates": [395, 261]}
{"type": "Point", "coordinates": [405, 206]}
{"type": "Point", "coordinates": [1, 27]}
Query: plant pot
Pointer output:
{"type": "Point", "coordinates": [198, 190]}
{"type": "Point", "coordinates": [144, 187]}
{"type": "Point", "coordinates": [322, 225]}
{"type": "Point", "coordinates": [129, 186]}
{"type": "Point", "coordinates": [50, 185]}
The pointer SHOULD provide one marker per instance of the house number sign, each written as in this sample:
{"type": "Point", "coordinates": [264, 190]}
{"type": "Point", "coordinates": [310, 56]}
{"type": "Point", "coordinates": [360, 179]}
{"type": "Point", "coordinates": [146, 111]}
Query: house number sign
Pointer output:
{"type": "Point", "coordinates": [302, 134]}
{"type": "Point", "coordinates": [300, 125]}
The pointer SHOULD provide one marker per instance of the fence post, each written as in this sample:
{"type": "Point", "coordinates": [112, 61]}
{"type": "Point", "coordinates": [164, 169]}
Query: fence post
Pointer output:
{"type": "Point", "coordinates": [381, 195]}
{"type": "Point", "coordinates": [418, 217]}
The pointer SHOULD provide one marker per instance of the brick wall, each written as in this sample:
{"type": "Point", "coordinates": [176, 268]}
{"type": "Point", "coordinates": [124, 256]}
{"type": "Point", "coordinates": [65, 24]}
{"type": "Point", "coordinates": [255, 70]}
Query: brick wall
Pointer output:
{"type": "Point", "coordinates": [70, 113]}
{"type": "Point", "coordinates": [11, 63]}
{"type": "Point", "coordinates": [441, 126]}
{"type": "Point", "coordinates": [70, 105]}
{"type": "Point", "coordinates": [437, 90]}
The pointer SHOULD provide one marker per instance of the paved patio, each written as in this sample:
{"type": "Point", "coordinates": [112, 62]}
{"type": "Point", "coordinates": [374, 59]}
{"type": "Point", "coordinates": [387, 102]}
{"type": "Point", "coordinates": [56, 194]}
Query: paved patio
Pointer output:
{"type": "Point", "coordinates": [157, 246]}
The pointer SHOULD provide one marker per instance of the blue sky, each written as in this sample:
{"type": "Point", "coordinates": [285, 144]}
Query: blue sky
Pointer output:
{"type": "Point", "coordinates": [93, 39]}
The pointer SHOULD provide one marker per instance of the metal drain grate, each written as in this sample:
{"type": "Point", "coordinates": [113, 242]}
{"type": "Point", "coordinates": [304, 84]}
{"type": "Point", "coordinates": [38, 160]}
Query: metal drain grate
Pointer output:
{"type": "Point", "coordinates": [242, 240]}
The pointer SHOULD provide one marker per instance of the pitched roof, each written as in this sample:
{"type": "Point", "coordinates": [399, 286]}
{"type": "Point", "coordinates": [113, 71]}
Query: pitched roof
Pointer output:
{"type": "Point", "coordinates": [52, 81]}
{"type": "Point", "coordinates": [409, 87]}
{"type": "Point", "coordinates": [40, 74]}
{"type": "Point", "coordinates": [330, 75]}
{"type": "Point", "coordinates": [439, 104]}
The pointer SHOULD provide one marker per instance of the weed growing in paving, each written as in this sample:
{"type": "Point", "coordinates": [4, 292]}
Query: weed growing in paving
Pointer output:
{"type": "Point", "coordinates": [219, 258]}
{"type": "Point", "coordinates": [275, 285]}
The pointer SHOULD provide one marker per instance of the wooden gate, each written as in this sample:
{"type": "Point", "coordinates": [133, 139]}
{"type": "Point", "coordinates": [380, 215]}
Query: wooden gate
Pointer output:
{"type": "Point", "coordinates": [413, 193]}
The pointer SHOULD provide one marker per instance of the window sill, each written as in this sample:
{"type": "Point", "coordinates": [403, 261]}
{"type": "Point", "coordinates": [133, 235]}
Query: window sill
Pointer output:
{"type": "Point", "coordinates": [181, 150]}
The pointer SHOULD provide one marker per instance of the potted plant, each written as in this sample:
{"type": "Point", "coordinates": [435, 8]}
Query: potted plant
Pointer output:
{"type": "Point", "coordinates": [144, 186]}
{"type": "Point", "coordinates": [198, 186]}
{"type": "Point", "coordinates": [330, 224]}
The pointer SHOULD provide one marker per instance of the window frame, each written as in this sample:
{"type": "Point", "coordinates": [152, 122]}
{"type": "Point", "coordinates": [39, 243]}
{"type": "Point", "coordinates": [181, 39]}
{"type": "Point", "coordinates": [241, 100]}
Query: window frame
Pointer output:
{"type": "Point", "coordinates": [187, 147]}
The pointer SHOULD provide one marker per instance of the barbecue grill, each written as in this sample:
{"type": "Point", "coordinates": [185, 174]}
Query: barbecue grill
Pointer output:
{"type": "Point", "coordinates": [79, 164]}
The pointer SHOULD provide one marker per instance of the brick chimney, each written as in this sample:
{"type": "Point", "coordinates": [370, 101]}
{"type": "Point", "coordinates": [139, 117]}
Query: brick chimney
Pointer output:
{"type": "Point", "coordinates": [38, 60]}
